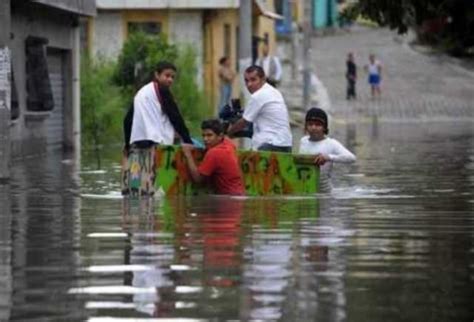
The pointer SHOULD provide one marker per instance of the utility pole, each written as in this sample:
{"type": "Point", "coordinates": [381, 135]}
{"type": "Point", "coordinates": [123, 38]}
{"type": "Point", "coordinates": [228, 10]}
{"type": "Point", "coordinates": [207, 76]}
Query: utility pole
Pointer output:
{"type": "Point", "coordinates": [245, 42]}
{"type": "Point", "coordinates": [5, 90]}
{"type": "Point", "coordinates": [307, 28]}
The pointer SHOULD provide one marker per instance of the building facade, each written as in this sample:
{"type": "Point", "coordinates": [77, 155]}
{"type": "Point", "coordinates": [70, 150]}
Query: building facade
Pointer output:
{"type": "Point", "coordinates": [45, 98]}
{"type": "Point", "coordinates": [210, 27]}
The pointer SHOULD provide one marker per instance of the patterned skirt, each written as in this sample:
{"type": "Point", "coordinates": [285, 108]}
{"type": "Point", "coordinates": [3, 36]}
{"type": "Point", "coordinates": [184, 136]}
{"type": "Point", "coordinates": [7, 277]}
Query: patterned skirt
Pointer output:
{"type": "Point", "coordinates": [138, 172]}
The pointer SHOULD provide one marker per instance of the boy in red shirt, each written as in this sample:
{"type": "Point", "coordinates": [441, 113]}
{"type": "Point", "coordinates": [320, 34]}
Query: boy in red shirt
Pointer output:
{"type": "Point", "coordinates": [220, 165]}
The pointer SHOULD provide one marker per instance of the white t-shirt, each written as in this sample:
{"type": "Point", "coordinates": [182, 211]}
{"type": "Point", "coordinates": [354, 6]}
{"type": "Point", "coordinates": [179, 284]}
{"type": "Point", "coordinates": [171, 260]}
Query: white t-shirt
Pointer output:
{"type": "Point", "coordinates": [374, 68]}
{"type": "Point", "coordinates": [267, 111]}
{"type": "Point", "coordinates": [331, 148]}
{"type": "Point", "coordinates": [149, 121]}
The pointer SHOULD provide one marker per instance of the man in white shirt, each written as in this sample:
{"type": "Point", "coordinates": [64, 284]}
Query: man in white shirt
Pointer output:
{"type": "Point", "coordinates": [267, 110]}
{"type": "Point", "coordinates": [271, 66]}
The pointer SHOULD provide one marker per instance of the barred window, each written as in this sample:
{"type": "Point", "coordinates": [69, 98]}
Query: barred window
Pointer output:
{"type": "Point", "coordinates": [38, 84]}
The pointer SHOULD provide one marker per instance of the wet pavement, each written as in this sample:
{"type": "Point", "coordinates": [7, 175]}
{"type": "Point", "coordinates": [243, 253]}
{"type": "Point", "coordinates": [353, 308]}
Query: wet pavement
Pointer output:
{"type": "Point", "coordinates": [417, 86]}
{"type": "Point", "coordinates": [393, 242]}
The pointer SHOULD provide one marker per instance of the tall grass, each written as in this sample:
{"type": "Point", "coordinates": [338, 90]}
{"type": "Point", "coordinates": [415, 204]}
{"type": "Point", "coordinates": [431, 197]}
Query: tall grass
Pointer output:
{"type": "Point", "coordinates": [102, 103]}
{"type": "Point", "coordinates": [108, 87]}
{"type": "Point", "coordinates": [190, 98]}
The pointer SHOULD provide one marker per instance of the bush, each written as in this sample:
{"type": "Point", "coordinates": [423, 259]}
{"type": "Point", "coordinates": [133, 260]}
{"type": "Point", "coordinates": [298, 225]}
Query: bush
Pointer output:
{"type": "Point", "coordinates": [102, 103]}
{"type": "Point", "coordinates": [139, 56]}
{"type": "Point", "coordinates": [191, 100]}
{"type": "Point", "coordinates": [107, 88]}
{"type": "Point", "coordinates": [348, 14]}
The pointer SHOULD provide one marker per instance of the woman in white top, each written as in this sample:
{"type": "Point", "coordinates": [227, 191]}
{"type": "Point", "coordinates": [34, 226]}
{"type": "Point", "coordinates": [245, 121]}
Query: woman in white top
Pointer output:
{"type": "Point", "coordinates": [153, 120]}
{"type": "Point", "coordinates": [326, 150]}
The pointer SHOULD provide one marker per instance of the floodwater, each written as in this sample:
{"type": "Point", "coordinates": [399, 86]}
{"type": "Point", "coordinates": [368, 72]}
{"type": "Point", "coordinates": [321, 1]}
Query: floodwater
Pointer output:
{"type": "Point", "coordinates": [393, 242]}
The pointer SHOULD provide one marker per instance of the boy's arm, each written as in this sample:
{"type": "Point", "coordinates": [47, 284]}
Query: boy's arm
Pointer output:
{"type": "Point", "coordinates": [237, 126]}
{"type": "Point", "coordinates": [195, 175]}
{"type": "Point", "coordinates": [340, 154]}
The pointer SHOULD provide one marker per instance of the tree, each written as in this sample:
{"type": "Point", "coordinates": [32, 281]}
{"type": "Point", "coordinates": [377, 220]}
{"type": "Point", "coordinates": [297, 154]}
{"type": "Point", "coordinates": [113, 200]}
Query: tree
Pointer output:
{"type": "Point", "coordinates": [449, 23]}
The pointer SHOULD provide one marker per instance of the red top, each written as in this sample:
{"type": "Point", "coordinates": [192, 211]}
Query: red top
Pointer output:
{"type": "Point", "coordinates": [221, 165]}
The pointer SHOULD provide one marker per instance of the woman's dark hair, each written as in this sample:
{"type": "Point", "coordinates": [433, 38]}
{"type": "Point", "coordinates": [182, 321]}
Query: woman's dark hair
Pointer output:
{"type": "Point", "coordinates": [256, 68]}
{"type": "Point", "coordinates": [214, 125]}
{"type": "Point", "coordinates": [223, 60]}
{"type": "Point", "coordinates": [162, 65]}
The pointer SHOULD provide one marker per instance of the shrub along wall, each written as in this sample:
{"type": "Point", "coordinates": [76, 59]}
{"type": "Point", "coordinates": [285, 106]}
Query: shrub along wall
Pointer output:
{"type": "Point", "coordinates": [108, 87]}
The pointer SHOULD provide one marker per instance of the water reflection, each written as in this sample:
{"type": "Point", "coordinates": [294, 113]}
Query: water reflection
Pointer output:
{"type": "Point", "coordinates": [44, 237]}
{"type": "Point", "coordinates": [393, 242]}
{"type": "Point", "coordinates": [5, 253]}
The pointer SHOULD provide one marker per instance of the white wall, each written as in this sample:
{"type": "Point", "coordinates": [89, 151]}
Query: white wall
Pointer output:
{"type": "Point", "coordinates": [186, 27]}
{"type": "Point", "coordinates": [164, 4]}
{"type": "Point", "coordinates": [108, 37]}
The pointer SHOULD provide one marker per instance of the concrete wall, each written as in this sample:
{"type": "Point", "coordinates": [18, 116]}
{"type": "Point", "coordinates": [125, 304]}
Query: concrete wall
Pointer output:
{"type": "Point", "coordinates": [167, 4]}
{"type": "Point", "coordinates": [108, 34]}
{"type": "Point", "coordinates": [28, 131]}
{"type": "Point", "coordinates": [83, 7]}
{"type": "Point", "coordinates": [185, 27]}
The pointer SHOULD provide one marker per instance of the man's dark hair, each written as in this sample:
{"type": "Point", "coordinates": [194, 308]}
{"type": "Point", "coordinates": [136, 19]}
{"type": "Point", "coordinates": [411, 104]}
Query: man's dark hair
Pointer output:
{"type": "Point", "coordinates": [214, 125]}
{"type": "Point", "coordinates": [255, 68]}
{"type": "Point", "coordinates": [317, 114]}
{"type": "Point", "coordinates": [162, 65]}
{"type": "Point", "coordinates": [223, 60]}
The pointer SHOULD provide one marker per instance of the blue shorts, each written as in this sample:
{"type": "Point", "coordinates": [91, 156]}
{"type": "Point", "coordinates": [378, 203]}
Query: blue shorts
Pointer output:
{"type": "Point", "coordinates": [374, 79]}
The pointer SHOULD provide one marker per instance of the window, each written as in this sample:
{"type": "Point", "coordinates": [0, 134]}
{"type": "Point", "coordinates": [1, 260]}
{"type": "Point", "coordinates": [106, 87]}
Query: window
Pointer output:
{"type": "Point", "coordinates": [153, 28]}
{"type": "Point", "coordinates": [279, 7]}
{"type": "Point", "coordinates": [83, 34]}
{"type": "Point", "coordinates": [15, 110]}
{"type": "Point", "coordinates": [38, 85]}
{"type": "Point", "coordinates": [227, 40]}
{"type": "Point", "coordinates": [237, 47]}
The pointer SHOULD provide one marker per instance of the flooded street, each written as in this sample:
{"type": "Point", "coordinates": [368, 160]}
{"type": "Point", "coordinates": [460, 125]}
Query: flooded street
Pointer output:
{"type": "Point", "coordinates": [393, 242]}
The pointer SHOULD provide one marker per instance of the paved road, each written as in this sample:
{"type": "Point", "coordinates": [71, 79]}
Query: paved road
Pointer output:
{"type": "Point", "coordinates": [415, 86]}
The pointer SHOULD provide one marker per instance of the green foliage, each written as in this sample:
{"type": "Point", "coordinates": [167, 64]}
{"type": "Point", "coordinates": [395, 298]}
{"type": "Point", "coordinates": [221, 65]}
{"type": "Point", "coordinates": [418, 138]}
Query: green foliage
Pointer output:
{"type": "Point", "coordinates": [107, 88]}
{"type": "Point", "coordinates": [349, 14]}
{"type": "Point", "coordinates": [102, 103]}
{"type": "Point", "coordinates": [191, 100]}
{"type": "Point", "coordinates": [139, 56]}
{"type": "Point", "coordinates": [441, 22]}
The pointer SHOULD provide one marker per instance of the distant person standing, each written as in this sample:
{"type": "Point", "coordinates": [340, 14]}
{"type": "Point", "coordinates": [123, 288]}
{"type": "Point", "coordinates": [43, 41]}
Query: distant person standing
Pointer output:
{"type": "Point", "coordinates": [226, 77]}
{"type": "Point", "coordinates": [351, 76]}
{"type": "Point", "coordinates": [374, 68]}
{"type": "Point", "coordinates": [271, 66]}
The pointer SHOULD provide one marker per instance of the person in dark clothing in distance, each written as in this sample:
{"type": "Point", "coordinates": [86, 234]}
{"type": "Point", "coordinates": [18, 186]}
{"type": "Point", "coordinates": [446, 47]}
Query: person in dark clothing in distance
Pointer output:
{"type": "Point", "coordinates": [351, 76]}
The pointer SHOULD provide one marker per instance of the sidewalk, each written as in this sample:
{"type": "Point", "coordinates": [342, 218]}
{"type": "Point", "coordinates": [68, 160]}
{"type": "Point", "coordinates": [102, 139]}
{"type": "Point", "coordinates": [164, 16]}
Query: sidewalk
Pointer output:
{"type": "Point", "coordinates": [415, 86]}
